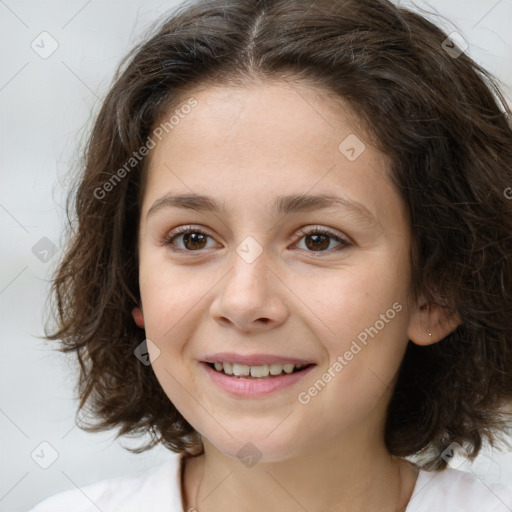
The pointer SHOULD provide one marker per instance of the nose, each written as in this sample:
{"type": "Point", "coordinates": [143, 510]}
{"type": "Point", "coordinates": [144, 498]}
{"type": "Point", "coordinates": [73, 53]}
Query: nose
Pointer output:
{"type": "Point", "coordinates": [251, 297]}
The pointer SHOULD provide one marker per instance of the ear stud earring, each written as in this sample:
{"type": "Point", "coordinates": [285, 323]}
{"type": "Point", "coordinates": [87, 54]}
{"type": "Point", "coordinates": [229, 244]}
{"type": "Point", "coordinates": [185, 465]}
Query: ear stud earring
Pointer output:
{"type": "Point", "coordinates": [429, 333]}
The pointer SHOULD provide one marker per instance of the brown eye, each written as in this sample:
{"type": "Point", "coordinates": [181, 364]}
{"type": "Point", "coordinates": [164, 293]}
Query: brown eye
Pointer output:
{"type": "Point", "coordinates": [193, 239]}
{"type": "Point", "coordinates": [319, 239]}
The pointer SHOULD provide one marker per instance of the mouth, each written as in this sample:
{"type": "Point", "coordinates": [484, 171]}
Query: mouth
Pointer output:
{"type": "Point", "coordinates": [256, 382]}
{"type": "Point", "coordinates": [259, 372]}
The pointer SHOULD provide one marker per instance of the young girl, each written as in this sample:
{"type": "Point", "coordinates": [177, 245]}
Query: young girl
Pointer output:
{"type": "Point", "coordinates": [293, 264]}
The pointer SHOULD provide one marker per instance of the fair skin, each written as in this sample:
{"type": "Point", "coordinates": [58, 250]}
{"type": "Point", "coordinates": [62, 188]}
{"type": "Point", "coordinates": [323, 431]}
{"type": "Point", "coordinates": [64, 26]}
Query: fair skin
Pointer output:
{"type": "Point", "coordinates": [244, 147]}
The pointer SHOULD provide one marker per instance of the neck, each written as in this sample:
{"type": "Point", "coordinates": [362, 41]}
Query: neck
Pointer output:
{"type": "Point", "coordinates": [342, 477]}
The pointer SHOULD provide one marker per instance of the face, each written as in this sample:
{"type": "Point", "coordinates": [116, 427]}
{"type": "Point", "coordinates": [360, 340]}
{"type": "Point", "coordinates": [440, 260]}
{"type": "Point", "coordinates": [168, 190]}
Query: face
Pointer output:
{"type": "Point", "coordinates": [325, 285]}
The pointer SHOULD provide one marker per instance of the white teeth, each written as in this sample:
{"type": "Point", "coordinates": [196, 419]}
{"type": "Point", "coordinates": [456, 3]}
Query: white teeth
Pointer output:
{"type": "Point", "coordinates": [288, 368]}
{"type": "Point", "coordinates": [240, 369]}
{"type": "Point", "coordinates": [261, 371]}
{"type": "Point", "coordinates": [276, 369]}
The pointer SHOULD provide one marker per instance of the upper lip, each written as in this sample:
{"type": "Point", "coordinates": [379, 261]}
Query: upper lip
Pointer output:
{"type": "Point", "coordinates": [253, 359]}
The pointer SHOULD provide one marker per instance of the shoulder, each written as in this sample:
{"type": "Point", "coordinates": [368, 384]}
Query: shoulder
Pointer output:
{"type": "Point", "coordinates": [451, 490]}
{"type": "Point", "coordinates": [145, 490]}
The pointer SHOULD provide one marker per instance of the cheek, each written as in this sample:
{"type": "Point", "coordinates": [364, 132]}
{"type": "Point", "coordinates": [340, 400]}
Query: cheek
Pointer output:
{"type": "Point", "coordinates": [168, 293]}
{"type": "Point", "coordinates": [358, 379]}
{"type": "Point", "coordinates": [357, 298]}
{"type": "Point", "coordinates": [365, 321]}
{"type": "Point", "coordinates": [171, 304]}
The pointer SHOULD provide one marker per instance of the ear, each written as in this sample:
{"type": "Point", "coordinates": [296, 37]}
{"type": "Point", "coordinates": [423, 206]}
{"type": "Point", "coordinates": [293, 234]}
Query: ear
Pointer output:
{"type": "Point", "coordinates": [437, 320]}
{"type": "Point", "coordinates": [138, 317]}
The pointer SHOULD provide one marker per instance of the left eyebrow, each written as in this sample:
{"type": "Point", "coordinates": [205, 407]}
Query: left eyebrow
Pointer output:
{"type": "Point", "coordinates": [281, 205]}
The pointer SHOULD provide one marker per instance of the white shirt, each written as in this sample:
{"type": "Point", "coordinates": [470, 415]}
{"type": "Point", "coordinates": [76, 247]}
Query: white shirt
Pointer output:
{"type": "Point", "coordinates": [159, 490]}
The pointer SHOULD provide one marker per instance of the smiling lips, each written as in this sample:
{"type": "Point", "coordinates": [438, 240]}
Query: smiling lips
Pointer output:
{"type": "Point", "coordinates": [255, 381]}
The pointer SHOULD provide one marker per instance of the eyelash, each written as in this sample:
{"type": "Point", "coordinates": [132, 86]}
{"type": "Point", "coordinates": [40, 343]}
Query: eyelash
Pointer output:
{"type": "Point", "coordinates": [182, 230]}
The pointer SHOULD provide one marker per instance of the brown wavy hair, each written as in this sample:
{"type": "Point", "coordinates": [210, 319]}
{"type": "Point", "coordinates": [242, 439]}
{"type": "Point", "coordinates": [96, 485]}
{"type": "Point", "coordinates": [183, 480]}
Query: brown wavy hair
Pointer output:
{"type": "Point", "coordinates": [441, 118]}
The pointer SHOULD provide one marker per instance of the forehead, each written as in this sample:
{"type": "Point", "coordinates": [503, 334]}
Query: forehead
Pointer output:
{"type": "Point", "coordinates": [248, 119]}
{"type": "Point", "coordinates": [247, 145]}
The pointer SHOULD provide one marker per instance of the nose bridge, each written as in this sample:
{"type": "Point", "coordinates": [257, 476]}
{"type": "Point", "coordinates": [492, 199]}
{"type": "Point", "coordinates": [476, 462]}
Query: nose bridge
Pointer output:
{"type": "Point", "coordinates": [250, 292]}
{"type": "Point", "coordinates": [255, 259]}
{"type": "Point", "coordinates": [250, 264]}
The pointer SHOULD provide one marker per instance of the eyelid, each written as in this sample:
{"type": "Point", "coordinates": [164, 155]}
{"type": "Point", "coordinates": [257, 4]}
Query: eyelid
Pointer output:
{"type": "Point", "coordinates": [326, 231]}
{"type": "Point", "coordinates": [188, 228]}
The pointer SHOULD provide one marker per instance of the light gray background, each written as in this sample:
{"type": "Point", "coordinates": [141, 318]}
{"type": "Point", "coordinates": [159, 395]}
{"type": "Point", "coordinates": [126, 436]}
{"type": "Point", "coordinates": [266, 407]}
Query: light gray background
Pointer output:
{"type": "Point", "coordinates": [44, 104]}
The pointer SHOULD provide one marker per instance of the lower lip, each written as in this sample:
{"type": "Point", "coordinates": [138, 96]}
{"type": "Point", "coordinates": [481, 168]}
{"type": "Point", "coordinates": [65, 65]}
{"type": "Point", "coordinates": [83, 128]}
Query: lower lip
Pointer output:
{"type": "Point", "coordinates": [248, 388]}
